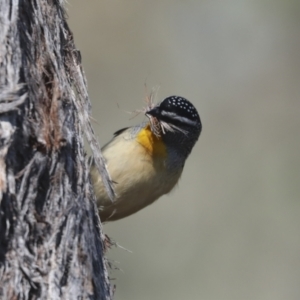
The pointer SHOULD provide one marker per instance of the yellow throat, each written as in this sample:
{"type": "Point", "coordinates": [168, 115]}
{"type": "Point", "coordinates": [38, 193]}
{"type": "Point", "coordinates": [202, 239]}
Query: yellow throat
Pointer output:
{"type": "Point", "coordinates": [154, 145]}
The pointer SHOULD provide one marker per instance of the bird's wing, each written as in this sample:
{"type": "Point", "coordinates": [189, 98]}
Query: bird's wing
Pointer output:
{"type": "Point", "coordinates": [120, 131]}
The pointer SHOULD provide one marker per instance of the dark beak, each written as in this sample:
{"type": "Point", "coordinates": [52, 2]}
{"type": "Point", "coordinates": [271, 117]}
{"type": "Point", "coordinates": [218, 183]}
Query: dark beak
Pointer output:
{"type": "Point", "coordinates": [154, 112]}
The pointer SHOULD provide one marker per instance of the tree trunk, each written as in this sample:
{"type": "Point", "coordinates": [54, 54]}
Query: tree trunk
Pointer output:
{"type": "Point", "coordinates": [51, 240]}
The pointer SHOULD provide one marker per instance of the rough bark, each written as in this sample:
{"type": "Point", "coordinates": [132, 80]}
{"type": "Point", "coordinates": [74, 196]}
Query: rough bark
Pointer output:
{"type": "Point", "coordinates": [51, 243]}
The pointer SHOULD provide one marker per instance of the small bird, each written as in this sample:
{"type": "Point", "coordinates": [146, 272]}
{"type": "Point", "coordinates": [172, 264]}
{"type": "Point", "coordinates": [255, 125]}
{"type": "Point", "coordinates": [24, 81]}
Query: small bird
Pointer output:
{"type": "Point", "coordinates": [146, 161]}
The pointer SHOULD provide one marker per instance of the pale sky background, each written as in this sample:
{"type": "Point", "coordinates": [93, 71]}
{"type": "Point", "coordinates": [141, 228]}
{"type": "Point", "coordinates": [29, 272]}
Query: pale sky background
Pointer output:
{"type": "Point", "coordinates": [230, 230]}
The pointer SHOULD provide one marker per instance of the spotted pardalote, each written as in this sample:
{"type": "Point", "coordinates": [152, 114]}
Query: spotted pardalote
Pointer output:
{"type": "Point", "coordinates": [146, 161]}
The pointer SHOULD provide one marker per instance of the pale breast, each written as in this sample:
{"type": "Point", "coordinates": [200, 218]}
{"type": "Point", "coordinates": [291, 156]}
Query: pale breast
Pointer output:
{"type": "Point", "coordinates": [139, 178]}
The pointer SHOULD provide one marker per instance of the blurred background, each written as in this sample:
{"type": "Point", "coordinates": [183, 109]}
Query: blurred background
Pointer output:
{"type": "Point", "coordinates": [230, 230]}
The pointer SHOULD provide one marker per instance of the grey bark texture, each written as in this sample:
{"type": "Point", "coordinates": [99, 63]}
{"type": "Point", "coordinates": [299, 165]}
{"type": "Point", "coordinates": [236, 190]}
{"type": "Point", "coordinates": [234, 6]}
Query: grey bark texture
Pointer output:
{"type": "Point", "coordinates": [51, 240]}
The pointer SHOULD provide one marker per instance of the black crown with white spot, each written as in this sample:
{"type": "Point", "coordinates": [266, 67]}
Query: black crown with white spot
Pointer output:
{"type": "Point", "coordinates": [182, 117]}
{"type": "Point", "coordinates": [181, 111]}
